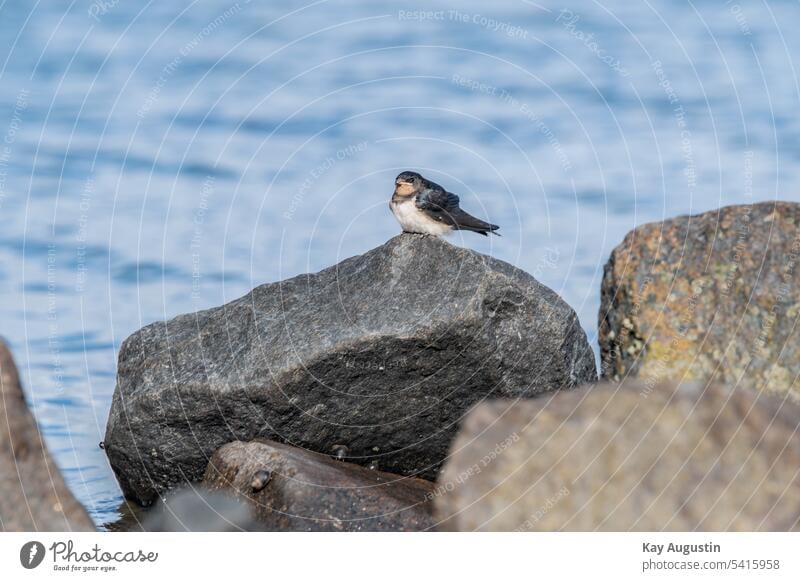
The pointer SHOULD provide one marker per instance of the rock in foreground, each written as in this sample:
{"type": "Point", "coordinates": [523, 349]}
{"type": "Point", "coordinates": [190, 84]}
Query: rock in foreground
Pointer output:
{"type": "Point", "coordinates": [290, 489]}
{"type": "Point", "coordinates": [33, 495]}
{"type": "Point", "coordinates": [376, 358]}
{"type": "Point", "coordinates": [631, 457]}
{"type": "Point", "coordinates": [712, 295]}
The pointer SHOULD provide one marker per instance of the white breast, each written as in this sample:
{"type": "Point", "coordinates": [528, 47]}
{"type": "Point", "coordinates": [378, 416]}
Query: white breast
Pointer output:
{"type": "Point", "coordinates": [414, 220]}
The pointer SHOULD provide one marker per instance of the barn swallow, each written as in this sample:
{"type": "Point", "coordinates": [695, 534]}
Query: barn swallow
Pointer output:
{"type": "Point", "coordinates": [424, 207]}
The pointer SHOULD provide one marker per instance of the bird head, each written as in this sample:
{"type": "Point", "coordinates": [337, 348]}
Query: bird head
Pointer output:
{"type": "Point", "coordinates": [408, 183]}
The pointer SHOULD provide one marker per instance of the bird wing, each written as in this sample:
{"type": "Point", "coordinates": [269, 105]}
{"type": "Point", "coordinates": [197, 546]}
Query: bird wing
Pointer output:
{"type": "Point", "coordinates": [438, 203]}
{"type": "Point", "coordinates": [443, 207]}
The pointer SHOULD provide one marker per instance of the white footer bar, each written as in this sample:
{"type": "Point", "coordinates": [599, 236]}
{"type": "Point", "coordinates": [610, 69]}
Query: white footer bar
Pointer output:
{"type": "Point", "coordinates": [406, 556]}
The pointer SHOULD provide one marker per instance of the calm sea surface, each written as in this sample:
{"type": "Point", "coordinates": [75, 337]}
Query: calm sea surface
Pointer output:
{"type": "Point", "coordinates": [163, 157]}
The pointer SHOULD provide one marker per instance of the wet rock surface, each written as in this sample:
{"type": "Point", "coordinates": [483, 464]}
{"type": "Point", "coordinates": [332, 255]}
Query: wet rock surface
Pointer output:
{"type": "Point", "coordinates": [636, 456]}
{"type": "Point", "coordinates": [711, 295]}
{"type": "Point", "coordinates": [33, 495]}
{"type": "Point", "coordinates": [290, 489]}
{"type": "Point", "coordinates": [375, 360]}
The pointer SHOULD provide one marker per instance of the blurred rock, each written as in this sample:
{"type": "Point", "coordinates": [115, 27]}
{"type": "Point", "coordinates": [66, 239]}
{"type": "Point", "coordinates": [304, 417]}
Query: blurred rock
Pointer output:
{"type": "Point", "coordinates": [379, 355]}
{"type": "Point", "coordinates": [712, 295]}
{"type": "Point", "coordinates": [291, 489]}
{"type": "Point", "coordinates": [626, 457]}
{"type": "Point", "coordinates": [196, 509]}
{"type": "Point", "coordinates": [33, 495]}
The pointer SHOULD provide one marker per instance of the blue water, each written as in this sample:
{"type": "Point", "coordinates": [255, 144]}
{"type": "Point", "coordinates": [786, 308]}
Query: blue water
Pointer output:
{"type": "Point", "coordinates": [165, 157]}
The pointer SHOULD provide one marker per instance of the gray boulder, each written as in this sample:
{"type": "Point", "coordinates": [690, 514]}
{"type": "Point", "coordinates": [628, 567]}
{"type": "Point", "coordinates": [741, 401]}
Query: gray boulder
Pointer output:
{"type": "Point", "coordinates": [290, 489]}
{"type": "Point", "coordinates": [630, 457]}
{"type": "Point", "coordinates": [375, 359]}
{"type": "Point", "coordinates": [33, 495]}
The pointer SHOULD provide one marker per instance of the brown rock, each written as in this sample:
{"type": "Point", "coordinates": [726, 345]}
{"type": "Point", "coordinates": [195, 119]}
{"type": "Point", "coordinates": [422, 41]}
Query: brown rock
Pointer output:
{"type": "Point", "coordinates": [630, 457]}
{"type": "Point", "coordinates": [291, 489]}
{"type": "Point", "coordinates": [711, 295]}
{"type": "Point", "coordinates": [33, 495]}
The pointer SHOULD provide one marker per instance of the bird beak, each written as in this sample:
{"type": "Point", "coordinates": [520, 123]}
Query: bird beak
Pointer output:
{"type": "Point", "coordinates": [398, 181]}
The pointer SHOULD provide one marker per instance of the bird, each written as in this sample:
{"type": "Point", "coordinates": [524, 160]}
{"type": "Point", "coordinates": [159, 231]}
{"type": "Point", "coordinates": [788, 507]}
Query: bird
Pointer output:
{"type": "Point", "coordinates": [424, 207]}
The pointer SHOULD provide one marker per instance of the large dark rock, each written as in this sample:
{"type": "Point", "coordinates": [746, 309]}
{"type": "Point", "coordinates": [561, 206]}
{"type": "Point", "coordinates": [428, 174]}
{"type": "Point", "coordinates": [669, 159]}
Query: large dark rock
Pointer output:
{"type": "Point", "coordinates": [625, 457]}
{"type": "Point", "coordinates": [377, 358]}
{"type": "Point", "coordinates": [290, 489]}
{"type": "Point", "coordinates": [707, 296]}
{"type": "Point", "coordinates": [33, 495]}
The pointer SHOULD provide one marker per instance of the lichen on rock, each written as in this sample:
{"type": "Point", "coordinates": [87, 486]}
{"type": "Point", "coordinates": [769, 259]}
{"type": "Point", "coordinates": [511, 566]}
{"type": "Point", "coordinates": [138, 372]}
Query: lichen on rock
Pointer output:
{"type": "Point", "coordinates": [706, 296]}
